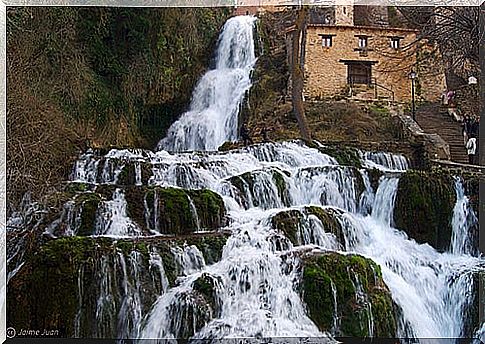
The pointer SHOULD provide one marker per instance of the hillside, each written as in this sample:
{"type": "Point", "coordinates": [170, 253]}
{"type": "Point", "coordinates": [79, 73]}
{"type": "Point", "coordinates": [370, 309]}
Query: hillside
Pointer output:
{"type": "Point", "coordinates": [96, 77]}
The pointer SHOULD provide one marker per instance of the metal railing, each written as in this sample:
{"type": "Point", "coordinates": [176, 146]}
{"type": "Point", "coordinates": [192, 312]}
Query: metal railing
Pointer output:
{"type": "Point", "coordinates": [372, 84]}
{"type": "Point", "coordinates": [376, 86]}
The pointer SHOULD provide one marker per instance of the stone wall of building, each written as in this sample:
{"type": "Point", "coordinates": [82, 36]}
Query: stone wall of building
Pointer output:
{"type": "Point", "coordinates": [326, 73]}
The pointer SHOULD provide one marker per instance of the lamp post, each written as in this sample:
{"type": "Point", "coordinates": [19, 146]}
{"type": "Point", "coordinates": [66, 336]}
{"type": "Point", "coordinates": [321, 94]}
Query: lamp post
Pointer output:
{"type": "Point", "coordinates": [413, 76]}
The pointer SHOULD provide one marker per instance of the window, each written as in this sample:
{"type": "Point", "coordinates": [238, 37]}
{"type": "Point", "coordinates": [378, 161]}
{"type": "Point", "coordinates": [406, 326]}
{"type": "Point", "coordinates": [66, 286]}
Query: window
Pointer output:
{"type": "Point", "coordinates": [395, 42]}
{"type": "Point", "coordinates": [326, 40]}
{"type": "Point", "coordinates": [363, 42]}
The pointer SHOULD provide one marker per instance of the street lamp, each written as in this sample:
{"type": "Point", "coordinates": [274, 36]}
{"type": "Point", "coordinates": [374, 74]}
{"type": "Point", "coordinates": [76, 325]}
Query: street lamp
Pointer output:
{"type": "Point", "coordinates": [413, 76]}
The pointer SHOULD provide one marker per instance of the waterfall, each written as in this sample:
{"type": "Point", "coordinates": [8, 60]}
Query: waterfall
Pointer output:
{"type": "Point", "coordinates": [213, 115]}
{"type": "Point", "coordinates": [395, 162]}
{"type": "Point", "coordinates": [256, 281]}
{"type": "Point", "coordinates": [463, 221]}
{"type": "Point", "coordinates": [256, 292]}
{"type": "Point", "coordinates": [112, 218]}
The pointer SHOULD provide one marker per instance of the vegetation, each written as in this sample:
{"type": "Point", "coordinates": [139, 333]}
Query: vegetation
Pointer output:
{"type": "Point", "coordinates": [59, 265]}
{"type": "Point", "coordinates": [96, 76]}
{"type": "Point", "coordinates": [424, 207]}
{"type": "Point", "coordinates": [349, 312]}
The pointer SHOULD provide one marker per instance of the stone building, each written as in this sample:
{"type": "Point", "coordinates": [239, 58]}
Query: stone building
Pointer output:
{"type": "Point", "coordinates": [370, 61]}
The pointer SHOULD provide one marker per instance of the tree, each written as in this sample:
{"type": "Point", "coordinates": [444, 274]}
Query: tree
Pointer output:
{"type": "Point", "coordinates": [297, 72]}
{"type": "Point", "coordinates": [455, 30]}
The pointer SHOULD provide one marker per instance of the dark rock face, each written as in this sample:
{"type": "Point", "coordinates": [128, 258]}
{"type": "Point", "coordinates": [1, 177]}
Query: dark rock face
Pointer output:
{"type": "Point", "coordinates": [166, 210]}
{"type": "Point", "coordinates": [424, 207]}
{"type": "Point", "coordinates": [346, 296]}
{"type": "Point", "coordinates": [291, 223]}
{"type": "Point", "coordinates": [105, 277]}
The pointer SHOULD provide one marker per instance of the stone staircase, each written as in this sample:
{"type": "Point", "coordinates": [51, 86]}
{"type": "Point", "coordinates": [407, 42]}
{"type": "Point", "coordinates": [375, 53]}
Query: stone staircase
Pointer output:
{"type": "Point", "coordinates": [434, 121]}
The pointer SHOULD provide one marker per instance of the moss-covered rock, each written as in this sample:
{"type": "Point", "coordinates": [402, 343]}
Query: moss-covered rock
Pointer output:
{"type": "Point", "coordinates": [292, 223]}
{"type": "Point", "coordinates": [346, 296]}
{"type": "Point", "coordinates": [289, 222]}
{"type": "Point", "coordinates": [424, 207]}
{"type": "Point", "coordinates": [175, 211]}
{"type": "Point", "coordinates": [344, 155]}
{"type": "Point", "coordinates": [206, 285]}
{"type": "Point", "coordinates": [46, 293]}
{"type": "Point", "coordinates": [247, 183]}
{"type": "Point", "coordinates": [89, 203]}
{"type": "Point", "coordinates": [128, 175]}
{"type": "Point", "coordinates": [330, 222]}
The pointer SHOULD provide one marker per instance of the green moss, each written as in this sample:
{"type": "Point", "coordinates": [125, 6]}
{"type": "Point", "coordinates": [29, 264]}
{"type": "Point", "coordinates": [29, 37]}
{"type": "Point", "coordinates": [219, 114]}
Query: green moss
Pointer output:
{"type": "Point", "coordinates": [324, 272]}
{"type": "Point", "coordinates": [329, 219]}
{"type": "Point", "coordinates": [347, 156]}
{"type": "Point", "coordinates": [55, 269]}
{"type": "Point", "coordinates": [175, 213]}
{"type": "Point", "coordinates": [289, 223]}
{"type": "Point", "coordinates": [424, 207]}
{"type": "Point", "coordinates": [210, 208]}
{"type": "Point", "coordinates": [73, 187]}
{"type": "Point", "coordinates": [89, 202]}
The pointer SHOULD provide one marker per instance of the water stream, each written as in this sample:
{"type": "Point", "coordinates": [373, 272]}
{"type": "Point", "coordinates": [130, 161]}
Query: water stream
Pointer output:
{"type": "Point", "coordinates": [256, 281]}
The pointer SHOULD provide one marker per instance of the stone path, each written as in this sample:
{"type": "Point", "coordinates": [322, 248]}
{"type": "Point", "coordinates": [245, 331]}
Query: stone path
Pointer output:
{"type": "Point", "coordinates": [432, 120]}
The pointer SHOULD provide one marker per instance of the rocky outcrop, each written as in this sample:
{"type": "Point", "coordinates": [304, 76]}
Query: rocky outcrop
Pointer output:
{"type": "Point", "coordinates": [81, 285]}
{"type": "Point", "coordinates": [424, 207]}
{"type": "Point", "coordinates": [346, 296]}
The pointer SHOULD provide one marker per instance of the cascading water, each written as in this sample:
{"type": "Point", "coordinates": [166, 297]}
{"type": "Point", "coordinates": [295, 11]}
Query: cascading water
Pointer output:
{"type": "Point", "coordinates": [255, 282]}
{"type": "Point", "coordinates": [256, 295]}
{"type": "Point", "coordinates": [212, 118]}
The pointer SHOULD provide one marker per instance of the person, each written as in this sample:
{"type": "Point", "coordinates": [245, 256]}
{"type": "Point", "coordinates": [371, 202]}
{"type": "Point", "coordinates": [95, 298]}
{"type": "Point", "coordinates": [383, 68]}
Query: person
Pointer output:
{"type": "Point", "coordinates": [471, 148]}
{"type": "Point", "coordinates": [245, 135]}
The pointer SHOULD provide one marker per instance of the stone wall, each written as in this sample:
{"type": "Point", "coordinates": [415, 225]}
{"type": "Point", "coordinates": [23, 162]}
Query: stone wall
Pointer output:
{"type": "Point", "coordinates": [326, 74]}
{"type": "Point", "coordinates": [433, 146]}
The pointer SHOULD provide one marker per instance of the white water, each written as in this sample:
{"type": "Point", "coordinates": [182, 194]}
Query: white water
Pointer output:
{"type": "Point", "coordinates": [463, 219]}
{"type": "Point", "coordinates": [112, 218]}
{"type": "Point", "coordinates": [256, 280]}
{"type": "Point", "coordinates": [256, 276]}
{"type": "Point", "coordinates": [212, 118]}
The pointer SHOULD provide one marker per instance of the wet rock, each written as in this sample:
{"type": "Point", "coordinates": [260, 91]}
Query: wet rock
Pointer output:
{"type": "Point", "coordinates": [424, 207]}
{"type": "Point", "coordinates": [346, 296]}
{"type": "Point", "coordinates": [82, 285]}
{"type": "Point", "coordinates": [296, 226]}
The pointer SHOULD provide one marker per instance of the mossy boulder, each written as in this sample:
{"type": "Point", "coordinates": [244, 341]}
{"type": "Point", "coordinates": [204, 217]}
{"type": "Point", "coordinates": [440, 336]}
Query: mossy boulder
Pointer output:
{"type": "Point", "coordinates": [206, 285]}
{"type": "Point", "coordinates": [289, 222]}
{"type": "Point", "coordinates": [330, 221]}
{"type": "Point", "coordinates": [424, 207]}
{"type": "Point", "coordinates": [346, 296]}
{"type": "Point", "coordinates": [67, 273]}
{"type": "Point", "coordinates": [175, 211]}
{"type": "Point", "coordinates": [293, 222]}
{"type": "Point", "coordinates": [128, 174]}
{"type": "Point", "coordinates": [247, 183]}
{"type": "Point", "coordinates": [89, 203]}
{"type": "Point", "coordinates": [344, 155]}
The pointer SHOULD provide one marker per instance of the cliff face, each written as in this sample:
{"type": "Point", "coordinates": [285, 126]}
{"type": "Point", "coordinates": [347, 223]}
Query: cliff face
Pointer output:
{"type": "Point", "coordinates": [82, 77]}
